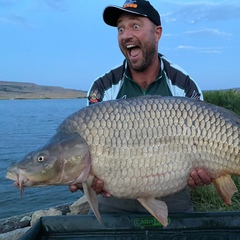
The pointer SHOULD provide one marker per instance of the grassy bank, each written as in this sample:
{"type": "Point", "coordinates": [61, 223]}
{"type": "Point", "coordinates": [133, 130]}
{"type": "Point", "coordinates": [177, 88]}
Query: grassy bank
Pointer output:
{"type": "Point", "coordinates": [229, 99]}
{"type": "Point", "coordinates": [206, 198]}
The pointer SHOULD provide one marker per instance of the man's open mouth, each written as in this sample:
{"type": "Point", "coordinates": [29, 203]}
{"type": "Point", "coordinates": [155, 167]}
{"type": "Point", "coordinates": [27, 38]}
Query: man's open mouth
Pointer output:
{"type": "Point", "coordinates": [133, 50]}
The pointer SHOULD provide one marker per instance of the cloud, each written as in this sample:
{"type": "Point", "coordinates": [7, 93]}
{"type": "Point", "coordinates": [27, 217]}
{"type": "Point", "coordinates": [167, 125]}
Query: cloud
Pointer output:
{"type": "Point", "coordinates": [15, 19]}
{"type": "Point", "coordinates": [59, 5]}
{"type": "Point", "coordinates": [18, 12]}
{"type": "Point", "coordinates": [193, 12]}
{"type": "Point", "coordinates": [200, 50]}
{"type": "Point", "coordinates": [208, 32]}
{"type": "Point", "coordinates": [169, 34]}
{"type": "Point", "coordinates": [186, 47]}
{"type": "Point", "coordinates": [211, 51]}
{"type": "Point", "coordinates": [6, 3]}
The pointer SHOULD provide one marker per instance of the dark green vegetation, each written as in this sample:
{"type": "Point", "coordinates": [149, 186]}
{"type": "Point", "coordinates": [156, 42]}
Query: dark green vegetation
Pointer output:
{"type": "Point", "coordinates": [206, 198]}
{"type": "Point", "coordinates": [229, 99]}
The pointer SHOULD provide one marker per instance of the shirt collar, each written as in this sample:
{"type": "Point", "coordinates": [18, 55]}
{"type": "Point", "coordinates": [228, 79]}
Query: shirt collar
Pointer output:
{"type": "Point", "coordinates": [128, 74]}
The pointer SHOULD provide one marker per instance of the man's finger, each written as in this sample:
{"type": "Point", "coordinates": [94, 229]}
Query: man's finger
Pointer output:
{"type": "Point", "coordinates": [98, 186]}
{"type": "Point", "coordinates": [75, 187]}
{"type": "Point", "coordinates": [204, 177]}
{"type": "Point", "coordinates": [191, 183]}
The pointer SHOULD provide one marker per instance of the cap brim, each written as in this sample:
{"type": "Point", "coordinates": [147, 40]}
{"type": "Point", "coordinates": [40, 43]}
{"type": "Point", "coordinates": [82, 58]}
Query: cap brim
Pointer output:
{"type": "Point", "coordinates": [112, 13]}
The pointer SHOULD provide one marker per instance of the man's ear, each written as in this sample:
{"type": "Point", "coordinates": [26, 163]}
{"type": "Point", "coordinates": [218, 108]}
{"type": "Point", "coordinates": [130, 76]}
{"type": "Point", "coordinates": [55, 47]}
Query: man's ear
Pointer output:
{"type": "Point", "coordinates": [158, 33]}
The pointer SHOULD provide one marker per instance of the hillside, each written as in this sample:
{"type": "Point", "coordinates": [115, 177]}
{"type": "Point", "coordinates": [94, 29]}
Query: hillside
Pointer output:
{"type": "Point", "coordinates": [22, 90]}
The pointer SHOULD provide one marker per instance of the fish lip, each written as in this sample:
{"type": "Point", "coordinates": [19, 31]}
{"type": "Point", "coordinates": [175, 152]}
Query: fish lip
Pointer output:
{"type": "Point", "coordinates": [20, 180]}
{"type": "Point", "coordinates": [12, 176]}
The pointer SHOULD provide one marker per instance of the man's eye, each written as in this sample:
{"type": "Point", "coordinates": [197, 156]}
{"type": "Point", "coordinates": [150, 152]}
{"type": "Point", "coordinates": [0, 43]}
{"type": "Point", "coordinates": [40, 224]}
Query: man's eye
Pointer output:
{"type": "Point", "coordinates": [120, 30]}
{"type": "Point", "coordinates": [136, 26]}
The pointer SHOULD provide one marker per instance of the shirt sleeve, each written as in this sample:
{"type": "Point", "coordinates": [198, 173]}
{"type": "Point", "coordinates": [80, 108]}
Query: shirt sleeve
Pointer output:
{"type": "Point", "coordinates": [179, 82]}
{"type": "Point", "coordinates": [106, 87]}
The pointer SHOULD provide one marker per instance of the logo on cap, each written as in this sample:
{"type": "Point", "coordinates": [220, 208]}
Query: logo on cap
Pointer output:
{"type": "Point", "coordinates": [130, 4]}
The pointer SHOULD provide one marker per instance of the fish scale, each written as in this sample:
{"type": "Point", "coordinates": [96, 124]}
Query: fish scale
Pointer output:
{"type": "Point", "coordinates": [142, 112]}
{"type": "Point", "coordinates": [143, 148]}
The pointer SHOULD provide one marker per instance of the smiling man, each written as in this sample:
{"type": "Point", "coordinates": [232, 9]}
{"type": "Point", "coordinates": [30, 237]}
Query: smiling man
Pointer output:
{"type": "Point", "coordinates": [144, 71]}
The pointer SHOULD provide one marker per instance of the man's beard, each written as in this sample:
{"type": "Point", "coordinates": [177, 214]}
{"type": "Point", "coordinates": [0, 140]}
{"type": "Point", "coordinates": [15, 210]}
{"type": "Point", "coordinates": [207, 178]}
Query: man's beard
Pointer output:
{"type": "Point", "coordinates": [146, 61]}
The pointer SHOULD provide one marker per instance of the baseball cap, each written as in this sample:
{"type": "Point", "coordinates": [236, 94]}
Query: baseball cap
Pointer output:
{"type": "Point", "coordinates": [139, 7]}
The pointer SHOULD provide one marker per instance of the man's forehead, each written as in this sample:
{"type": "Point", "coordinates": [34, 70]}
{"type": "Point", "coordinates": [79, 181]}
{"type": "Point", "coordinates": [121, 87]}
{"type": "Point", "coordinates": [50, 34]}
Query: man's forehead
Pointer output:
{"type": "Point", "coordinates": [132, 16]}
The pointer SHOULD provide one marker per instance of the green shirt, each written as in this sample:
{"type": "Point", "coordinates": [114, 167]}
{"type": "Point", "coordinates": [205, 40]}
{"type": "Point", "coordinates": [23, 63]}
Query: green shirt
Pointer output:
{"type": "Point", "coordinates": [130, 88]}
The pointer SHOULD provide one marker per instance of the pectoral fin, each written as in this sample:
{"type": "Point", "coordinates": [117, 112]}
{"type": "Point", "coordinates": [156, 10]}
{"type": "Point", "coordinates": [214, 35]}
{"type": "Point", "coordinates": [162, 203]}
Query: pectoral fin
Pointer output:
{"type": "Point", "coordinates": [157, 208]}
{"type": "Point", "coordinates": [91, 197]}
{"type": "Point", "coordinates": [225, 187]}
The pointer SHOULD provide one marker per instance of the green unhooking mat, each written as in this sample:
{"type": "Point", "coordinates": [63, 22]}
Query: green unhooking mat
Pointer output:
{"type": "Point", "coordinates": [197, 226]}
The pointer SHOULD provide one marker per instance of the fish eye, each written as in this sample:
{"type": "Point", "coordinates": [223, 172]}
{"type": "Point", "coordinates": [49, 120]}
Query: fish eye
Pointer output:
{"type": "Point", "coordinates": [41, 158]}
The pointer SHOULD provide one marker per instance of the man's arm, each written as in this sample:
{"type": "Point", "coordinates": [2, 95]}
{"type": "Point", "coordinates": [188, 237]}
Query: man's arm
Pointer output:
{"type": "Point", "coordinates": [179, 81]}
{"type": "Point", "coordinates": [107, 86]}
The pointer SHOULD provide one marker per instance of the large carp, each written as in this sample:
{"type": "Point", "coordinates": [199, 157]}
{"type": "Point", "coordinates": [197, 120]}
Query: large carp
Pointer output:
{"type": "Point", "coordinates": [141, 148]}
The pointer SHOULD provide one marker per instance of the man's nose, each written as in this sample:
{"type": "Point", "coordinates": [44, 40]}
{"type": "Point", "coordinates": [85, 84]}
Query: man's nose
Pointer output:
{"type": "Point", "coordinates": [127, 34]}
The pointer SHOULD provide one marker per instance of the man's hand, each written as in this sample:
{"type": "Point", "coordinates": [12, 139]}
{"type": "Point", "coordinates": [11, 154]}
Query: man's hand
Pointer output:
{"type": "Point", "coordinates": [97, 186]}
{"type": "Point", "coordinates": [199, 177]}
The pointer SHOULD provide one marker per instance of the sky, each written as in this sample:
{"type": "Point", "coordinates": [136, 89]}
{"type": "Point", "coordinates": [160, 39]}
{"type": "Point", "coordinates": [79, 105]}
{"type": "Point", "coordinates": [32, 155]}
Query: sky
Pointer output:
{"type": "Point", "coordinates": [66, 42]}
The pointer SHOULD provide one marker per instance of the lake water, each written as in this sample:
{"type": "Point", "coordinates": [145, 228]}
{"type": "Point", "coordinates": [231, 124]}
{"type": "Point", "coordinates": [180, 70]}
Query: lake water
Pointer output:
{"type": "Point", "coordinates": [24, 126]}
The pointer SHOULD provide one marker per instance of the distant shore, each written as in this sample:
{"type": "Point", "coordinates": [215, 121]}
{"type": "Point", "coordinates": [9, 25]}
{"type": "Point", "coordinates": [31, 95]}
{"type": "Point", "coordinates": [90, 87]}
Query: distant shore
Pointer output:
{"type": "Point", "coordinates": [21, 90]}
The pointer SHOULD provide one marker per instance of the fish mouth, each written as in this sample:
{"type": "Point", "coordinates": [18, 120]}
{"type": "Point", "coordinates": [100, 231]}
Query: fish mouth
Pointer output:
{"type": "Point", "coordinates": [21, 181]}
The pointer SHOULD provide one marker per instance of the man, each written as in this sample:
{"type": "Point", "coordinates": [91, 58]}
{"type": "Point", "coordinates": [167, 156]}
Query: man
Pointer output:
{"type": "Point", "coordinates": [144, 71]}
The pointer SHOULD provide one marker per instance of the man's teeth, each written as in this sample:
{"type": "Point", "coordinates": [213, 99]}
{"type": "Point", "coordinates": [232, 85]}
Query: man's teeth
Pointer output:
{"type": "Point", "coordinates": [131, 46]}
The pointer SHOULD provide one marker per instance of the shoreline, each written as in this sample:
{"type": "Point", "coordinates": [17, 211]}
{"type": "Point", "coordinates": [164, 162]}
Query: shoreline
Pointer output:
{"type": "Point", "coordinates": [23, 220]}
{"type": "Point", "coordinates": [47, 98]}
{"type": "Point", "coordinates": [25, 90]}
{"type": "Point", "coordinates": [15, 226]}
